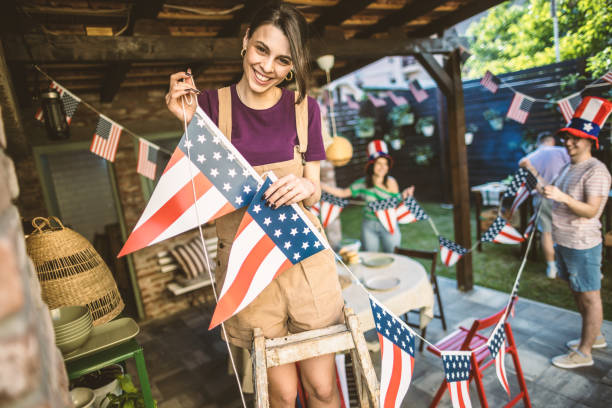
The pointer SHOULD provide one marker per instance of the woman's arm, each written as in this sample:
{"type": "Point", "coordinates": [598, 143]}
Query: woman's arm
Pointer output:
{"type": "Point", "coordinates": [181, 85]}
{"type": "Point", "coordinates": [392, 185]}
{"type": "Point", "coordinates": [292, 189]}
{"type": "Point", "coordinates": [337, 191]}
{"type": "Point", "coordinates": [586, 209]}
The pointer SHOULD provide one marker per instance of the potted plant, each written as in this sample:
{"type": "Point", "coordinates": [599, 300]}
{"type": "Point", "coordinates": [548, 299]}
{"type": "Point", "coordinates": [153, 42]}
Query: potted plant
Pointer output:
{"type": "Point", "coordinates": [130, 398]}
{"type": "Point", "coordinates": [102, 382]}
{"type": "Point", "coordinates": [469, 133]}
{"type": "Point", "coordinates": [425, 126]}
{"type": "Point", "coordinates": [422, 155]}
{"type": "Point", "coordinates": [394, 139]}
{"type": "Point", "coordinates": [494, 118]}
{"type": "Point", "coordinates": [401, 116]}
{"type": "Point", "coordinates": [365, 127]}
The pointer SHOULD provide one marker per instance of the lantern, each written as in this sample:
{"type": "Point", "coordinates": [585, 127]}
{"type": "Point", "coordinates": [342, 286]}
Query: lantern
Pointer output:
{"type": "Point", "coordinates": [340, 151]}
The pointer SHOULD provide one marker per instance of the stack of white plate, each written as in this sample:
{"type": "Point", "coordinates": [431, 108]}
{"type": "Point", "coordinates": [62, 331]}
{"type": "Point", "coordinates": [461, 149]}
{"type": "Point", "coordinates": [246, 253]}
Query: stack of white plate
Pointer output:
{"type": "Point", "coordinates": [72, 326]}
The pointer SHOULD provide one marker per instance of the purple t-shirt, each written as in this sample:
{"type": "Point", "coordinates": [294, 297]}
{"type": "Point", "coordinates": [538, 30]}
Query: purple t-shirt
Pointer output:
{"type": "Point", "coordinates": [267, 135]}
{"type": "Point", "coordinates": [548, 161]}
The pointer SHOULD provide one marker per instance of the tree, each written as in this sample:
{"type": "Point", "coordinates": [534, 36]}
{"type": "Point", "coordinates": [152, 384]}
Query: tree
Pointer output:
{"type": "Point", "coordinates": [515, 36]}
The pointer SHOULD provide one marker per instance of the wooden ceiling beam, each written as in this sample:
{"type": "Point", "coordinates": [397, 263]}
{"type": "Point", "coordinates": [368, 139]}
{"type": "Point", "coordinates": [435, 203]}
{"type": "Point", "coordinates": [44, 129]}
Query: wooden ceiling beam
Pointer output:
{"type": "Point", "coordinates": [232, 28]}
{"type": "Point", "coordinates": [409, 12]}
{"type": "Point", "coordinates": [153, 48]}
{"type": "Point", "coordinates": [338, 13]}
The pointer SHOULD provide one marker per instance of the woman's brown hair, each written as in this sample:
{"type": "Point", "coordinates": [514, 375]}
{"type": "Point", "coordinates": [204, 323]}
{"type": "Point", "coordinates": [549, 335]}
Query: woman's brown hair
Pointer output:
{"type": "Point", "coordinates": [292, 23]}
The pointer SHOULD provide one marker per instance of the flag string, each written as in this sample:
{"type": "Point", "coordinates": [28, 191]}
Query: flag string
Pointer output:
{"type": "Point", "coordinates": [90, 107]}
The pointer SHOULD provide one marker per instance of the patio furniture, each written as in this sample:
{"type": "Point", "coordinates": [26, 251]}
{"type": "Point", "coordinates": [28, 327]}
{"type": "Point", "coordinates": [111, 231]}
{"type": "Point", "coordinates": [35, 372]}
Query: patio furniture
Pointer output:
{"type": "Point", "coordinates": [289, 349]}
{"type": "Point", "coordinates": [412, 291]}
{"type": "Point", "coordinates": [433, 279]}
{"type": "Point", "coordinates": [470, 339]}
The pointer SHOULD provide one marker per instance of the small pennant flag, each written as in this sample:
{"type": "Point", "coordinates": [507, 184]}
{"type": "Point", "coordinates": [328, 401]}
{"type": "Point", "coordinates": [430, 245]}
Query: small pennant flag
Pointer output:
{"type": "Point", "coordinates": [530, 226]}
{"type": "Point", "coordinates": [70, 102]}
{"type": "Point", "coordinates": [520, 107]}
{"type": "Point", "coordinates": [410, 211]}
{"type": "Point", "coordinates": [607, 77]}
{"type": "Point", "coordinates": [491, 82]}
{"type": "Point", "coordinates": [147, 158]}
{"type": "Point", "coordinates": [457, 367]}
{"type": "Point", "coordinates": [106, 138]}
{"type": "Point", "coordinates": [396, 355]}
{"type": "Point", "coordinates": [497, 348]}
{"type": "Point", "coordinates": [419, 93]}
{"type": "Point", "coordinates": [351, 103]}
{"type": "Point", "coordinates": [450, 252]}
{"type": "Point", "coordinates": [397, 100]}
{"type": "Point", "coordinates": [268, 242]}
{"type": "Point", "coordinates": [385, 211]}
{"type": "Point", "coordinates": [568, 106]}
{"type": "Point", "coordinates": [522, 186]}
{"type": "Point", "coordinates": [501, 232]}
{"type": "Point", "coordinates": [377, 102]}
{"type": "Point", "coordinates": [223, 180]}
{"type": "Point", "coordinates": [316, 208]}
{"type": "Point", "coordinates": [331, 207]}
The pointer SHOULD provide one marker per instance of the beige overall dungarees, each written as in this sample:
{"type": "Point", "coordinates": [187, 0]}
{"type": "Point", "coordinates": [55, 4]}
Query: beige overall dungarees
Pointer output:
{"type": "Point", "coordinates": [306, 296]}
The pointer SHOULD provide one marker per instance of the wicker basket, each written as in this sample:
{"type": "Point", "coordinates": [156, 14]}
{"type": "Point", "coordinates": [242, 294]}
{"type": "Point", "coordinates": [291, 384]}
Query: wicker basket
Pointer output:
{"type": "Point", "coordinates": [71, 272]}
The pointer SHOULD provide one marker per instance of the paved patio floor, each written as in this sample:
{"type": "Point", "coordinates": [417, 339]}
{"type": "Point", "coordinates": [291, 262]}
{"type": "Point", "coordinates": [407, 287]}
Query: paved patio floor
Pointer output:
{"type": "Point", "coordinates": [187, 364]}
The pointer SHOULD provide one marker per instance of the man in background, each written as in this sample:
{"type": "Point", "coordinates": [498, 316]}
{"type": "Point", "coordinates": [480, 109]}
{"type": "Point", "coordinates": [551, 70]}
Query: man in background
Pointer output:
{"type": "Point", "coordinates": [545, 163]}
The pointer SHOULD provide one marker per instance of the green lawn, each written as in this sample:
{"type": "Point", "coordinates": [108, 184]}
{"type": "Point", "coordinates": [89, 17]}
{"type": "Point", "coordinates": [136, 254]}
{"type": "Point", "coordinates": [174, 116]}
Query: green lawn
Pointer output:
{"type": "Point", "coordinates": [495, 267]}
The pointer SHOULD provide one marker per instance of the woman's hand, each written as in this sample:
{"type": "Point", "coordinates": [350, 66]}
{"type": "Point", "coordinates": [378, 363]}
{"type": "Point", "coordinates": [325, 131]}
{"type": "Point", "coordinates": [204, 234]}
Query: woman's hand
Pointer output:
{"type": "Point", "coordinates": [289, 190]}
{"type": "Point", "coordinates": [181, 84]}
{"type": "Point", "coordinates": [553, 193]}
{"type": "Point", "coordinates": [408, 192]}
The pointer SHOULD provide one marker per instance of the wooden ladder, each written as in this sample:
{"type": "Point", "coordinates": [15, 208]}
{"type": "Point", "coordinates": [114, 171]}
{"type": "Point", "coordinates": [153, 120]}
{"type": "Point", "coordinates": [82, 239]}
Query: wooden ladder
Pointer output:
{"type": "Point", "coordinates": [334, 339]}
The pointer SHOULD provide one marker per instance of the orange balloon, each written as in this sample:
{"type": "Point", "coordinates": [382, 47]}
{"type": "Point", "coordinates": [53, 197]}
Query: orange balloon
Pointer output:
{"type": "Point", "coordinates": [340, 151]}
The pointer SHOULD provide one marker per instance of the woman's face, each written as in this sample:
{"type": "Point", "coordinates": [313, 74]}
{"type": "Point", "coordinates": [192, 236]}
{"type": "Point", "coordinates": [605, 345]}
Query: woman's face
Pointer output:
{"type": "Point", "coordinates": [381, 167]}
{"type": "Point", "coordinates": [268, 58]}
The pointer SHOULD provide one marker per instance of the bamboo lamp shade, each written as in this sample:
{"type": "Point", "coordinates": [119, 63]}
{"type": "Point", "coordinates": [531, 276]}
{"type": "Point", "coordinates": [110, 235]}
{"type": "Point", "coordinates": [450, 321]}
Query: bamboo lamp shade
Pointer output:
{"type": "Point", "coordinates": [340, 151]}
{"type": "Point", "coordinates": [71, 272]}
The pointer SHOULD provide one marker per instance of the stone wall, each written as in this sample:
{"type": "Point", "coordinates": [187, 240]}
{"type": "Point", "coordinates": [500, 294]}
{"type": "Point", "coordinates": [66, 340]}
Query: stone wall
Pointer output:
{"type": "Point", "coordinates": [32, 372]}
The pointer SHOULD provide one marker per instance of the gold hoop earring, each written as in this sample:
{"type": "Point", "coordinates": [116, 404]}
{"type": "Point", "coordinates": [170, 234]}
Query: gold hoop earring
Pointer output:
{"type": "Point", "coordinates": [243, 52]}
{"type": "Point", "coordinates": [289, 76]}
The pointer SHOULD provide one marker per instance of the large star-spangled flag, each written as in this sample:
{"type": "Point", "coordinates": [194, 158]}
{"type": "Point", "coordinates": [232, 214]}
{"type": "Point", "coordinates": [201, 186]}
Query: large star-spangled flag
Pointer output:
{"type": "Point", "coordinates": [457, 367]}
{"type": "Point", "coordinates": [106, 138]}
{"type": "Point", "coordinates": [490, 81]}
{"type": "Point", "coordinates": [70, 102]}
{"type": "Point", "coordinates": [207, 163]}
{"type": "Point", "coordinates": [568, 106]}
{"type": "Point", "coordinates": [268, 242]}
{"type": "Point", "coordinates": [410, 211]}
{"type": "Point", "coordinates": [147, 158]}
{"type": "Point", "coordinates": [450, 252]}
{"type": "Point", "coordinates": [396, 355]}
{"type": "Point", "coordinates": [331, 207]}
{"type": "Point", "coordinates": [497, 348]}
{"type": "Point", "coordinates": [520, 107]}
{"type": "Point", "coordinates": [522, 186]}
{"type": "Point", "coordinates": [502, 232]}
{"type": "Point", "coordinates": [385, 211]}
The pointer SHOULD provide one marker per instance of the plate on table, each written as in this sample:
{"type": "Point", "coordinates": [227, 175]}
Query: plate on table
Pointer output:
{"type": "Point", "coordinates": [105, 336]}
{"type": "Point", "coordinates": [378, 262]}
{"type": "Point", "coordinates": [382, 283]}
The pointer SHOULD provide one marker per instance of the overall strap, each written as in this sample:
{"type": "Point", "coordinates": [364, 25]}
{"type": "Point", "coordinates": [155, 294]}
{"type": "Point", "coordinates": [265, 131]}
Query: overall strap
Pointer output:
{"type": "Point", "coordinates": [301, 124]}
{"type": "Point", "coordinates": [225, 111]}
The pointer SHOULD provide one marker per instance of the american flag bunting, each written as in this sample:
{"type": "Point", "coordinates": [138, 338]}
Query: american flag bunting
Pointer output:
{"type": "Point", "coordinates": [397, 100]}
{"type": "Point", "coordinates": [491, 82]}
{"type": "Point", "coordinates": [450, 252]}
{"type": "Point", "coordinates": [224, 181]}
{"type": "Point", "coordinates": [415, 89]}
{"type": "Point", "coordinates": [70, 102]}
{"type": "Point", "coordinates": [351, 103]}
{"type": "Point", "coordinates": [385, 212]}
{"type": "Point", "coordinates": [268, 242]}
{"type": "Point", "coordinates": [520, 107]}
{"type": "Point", "coordinates": [396, 355]}
{"type": "Point", "coordinates": [147, 158]}
{"type": "Point", "coordinates": [607, 77]}
{"type": "Point", "coordinates": [568, 106]}
{"type": "Point", "coordinates": [330, 208]}
{"type": "Point", "coordinates": [410, 211]}
{"type": "Point", "coordinates": [501, 232]}
{"type": "Point", "coordinates": [316, 208]}
{"type": "Point", "coordinates": [530, 225]}
{"type": "Point", "coordinates": [497, 348]}
{"type": "Point", "coordinates": [377, 102]}
{"type": "Point", "coordinates": [522, 186]}
{"type": "Point", "coordinates": [457, 367]}
{"type": "Point", "coordinates": [106, 138]}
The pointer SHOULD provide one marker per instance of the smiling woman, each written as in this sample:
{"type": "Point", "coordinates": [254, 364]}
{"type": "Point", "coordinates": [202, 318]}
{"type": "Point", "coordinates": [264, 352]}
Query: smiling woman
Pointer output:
{"type": "Point", "coordinates": [275, 130]}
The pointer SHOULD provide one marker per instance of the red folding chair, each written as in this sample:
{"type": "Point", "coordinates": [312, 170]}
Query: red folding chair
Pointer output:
{"type": "Point", "coordinates": [464, 339]}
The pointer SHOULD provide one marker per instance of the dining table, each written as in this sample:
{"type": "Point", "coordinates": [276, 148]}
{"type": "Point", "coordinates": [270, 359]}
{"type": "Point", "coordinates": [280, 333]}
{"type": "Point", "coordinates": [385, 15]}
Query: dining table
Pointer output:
{"type": "Point", "coordinates": [400, 283]}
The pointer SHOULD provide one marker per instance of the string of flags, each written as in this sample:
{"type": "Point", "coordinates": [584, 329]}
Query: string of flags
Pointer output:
{"type": "Point", "coordinates": [207, 178]}
{"type": "Point", "coordinates": [521, 104]}
{"type": "Point", "coordinates": [107, 134]}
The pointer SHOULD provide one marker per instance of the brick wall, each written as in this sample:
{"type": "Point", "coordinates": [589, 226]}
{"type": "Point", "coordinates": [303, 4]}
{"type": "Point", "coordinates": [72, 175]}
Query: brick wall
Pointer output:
{"type": "Point", "coordinates": [32, 372]}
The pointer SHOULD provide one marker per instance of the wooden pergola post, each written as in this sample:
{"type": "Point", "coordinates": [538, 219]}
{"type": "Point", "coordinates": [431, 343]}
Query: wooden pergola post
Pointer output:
{"type": "Point", "coordinates": [449, 81]}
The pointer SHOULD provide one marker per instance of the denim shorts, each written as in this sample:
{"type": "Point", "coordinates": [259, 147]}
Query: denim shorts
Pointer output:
{"type": "Point", "coordinates": [581, 267]}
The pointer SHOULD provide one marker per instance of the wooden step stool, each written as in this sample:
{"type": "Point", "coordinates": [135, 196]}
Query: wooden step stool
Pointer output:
{"type": "Point", "coordinates": [313, 343]}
